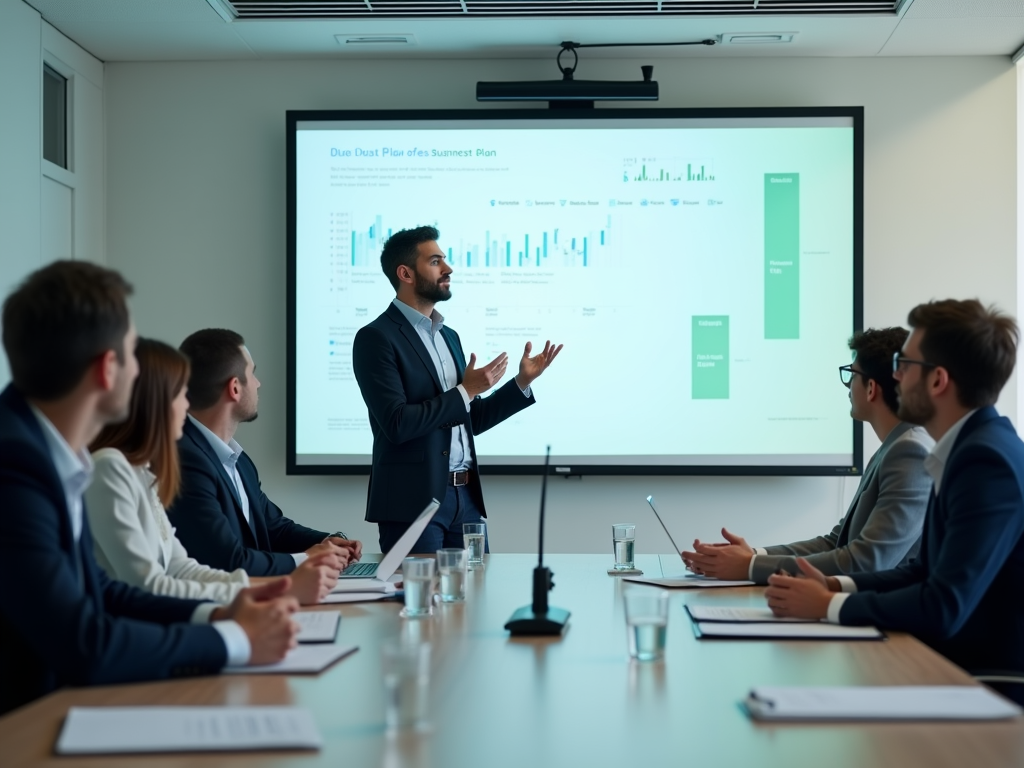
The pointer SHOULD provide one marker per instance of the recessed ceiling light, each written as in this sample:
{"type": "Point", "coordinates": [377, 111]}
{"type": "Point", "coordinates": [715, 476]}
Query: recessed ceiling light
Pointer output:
{"type": "Point", "coordinates": [758, 38]}
{"type": "Point", "coordinates": [388, 39]}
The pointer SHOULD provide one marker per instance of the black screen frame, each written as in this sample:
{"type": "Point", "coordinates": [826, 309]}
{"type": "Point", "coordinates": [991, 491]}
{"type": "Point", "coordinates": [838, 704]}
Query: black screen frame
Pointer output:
{"type": "Point", "coordinates": [855, 114]}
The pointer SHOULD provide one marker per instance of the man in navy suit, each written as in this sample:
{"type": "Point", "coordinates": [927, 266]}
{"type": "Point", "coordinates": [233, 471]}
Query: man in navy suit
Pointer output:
{"type": "Point", "coordinates": [424, 399]}
{"type": "Point", "coordinates": [71, 348]}
{"type": "Point", "coordinates": [222, 516]}
{"type": "Point", "coordinates": [962, 594]}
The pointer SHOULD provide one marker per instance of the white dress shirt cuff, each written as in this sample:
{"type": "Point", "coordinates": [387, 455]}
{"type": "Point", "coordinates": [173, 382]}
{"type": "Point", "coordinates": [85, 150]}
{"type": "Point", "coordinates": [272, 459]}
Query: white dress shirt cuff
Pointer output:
{"type": "Point", "coordinates": [750, 568]}
{"type": "Point", "coordinates": [235, 640]}
{"type": "Point", "coordinates": [835, 605]}
{"type": "Point", "coordinates": [300, 558]}
{"type": "Point", "coordinates": [846, 584]}
{"type": "Point", "coordinates": [760, 551]}
{"type": "Point", "coordinates": [526, 392]}
{"type": "Point", "coordinates": [465, 395]}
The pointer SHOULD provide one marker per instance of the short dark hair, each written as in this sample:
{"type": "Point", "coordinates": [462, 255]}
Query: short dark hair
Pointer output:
{"type": "Point", "coordinates": [875, 348]}
{"type": "Point", "coordinates": [977, 346]}
{"type": "Point", "coordinates": [216, 358]}
{"type": "Point", "coordinates": [58, 321]}
{"type": "Point", "coordinates": [402, 249]}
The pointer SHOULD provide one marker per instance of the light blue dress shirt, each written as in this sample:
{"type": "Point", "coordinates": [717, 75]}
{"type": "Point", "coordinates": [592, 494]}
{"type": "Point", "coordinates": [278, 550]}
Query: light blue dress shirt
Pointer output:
{"type": "Point", "coordinates": [75, 473]}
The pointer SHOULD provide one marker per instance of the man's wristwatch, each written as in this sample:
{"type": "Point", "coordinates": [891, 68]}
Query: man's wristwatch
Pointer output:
{"type": "Point", "coordinates": [338, 535]}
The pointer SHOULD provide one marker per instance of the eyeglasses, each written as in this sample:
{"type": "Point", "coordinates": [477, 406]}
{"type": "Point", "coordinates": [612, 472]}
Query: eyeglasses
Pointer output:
{"type": "Point", "coordinates": [899, 364]}
{"type": "Point", "coordinates": [846, 374]}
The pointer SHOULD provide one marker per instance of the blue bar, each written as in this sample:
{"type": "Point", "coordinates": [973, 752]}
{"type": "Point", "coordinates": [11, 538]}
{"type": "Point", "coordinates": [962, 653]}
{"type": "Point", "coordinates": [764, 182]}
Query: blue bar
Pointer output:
{"type": "Point", "coordinates": [545, 245]}
{"type": "Point", "coordinates": [574, 244]}
{"type": "Point", "coordinates": [371, 232]}
{"type": "Point", "coordinates": [584, 251]}
{"type": "Point", "coordinates": [520, 258]}
{"type": "Point", "coordinates": [526, 246]}
{"type": "Point", "coordinates": [389, 233]}
{"type": "Point", "coordinates": [353, 247]}
{"type": "Point", "coordinates": [449, 255]}
{"type": "Point", "coordinates": [538, 257]}
{"type": "Point", "coordinates": [602, 237]}
{"type": "Point", "coordinates": [556, 237]}
{"type": "Point", "coordinates": [469, 255]}
{"type": "Point", "coordinates": [508, 254]}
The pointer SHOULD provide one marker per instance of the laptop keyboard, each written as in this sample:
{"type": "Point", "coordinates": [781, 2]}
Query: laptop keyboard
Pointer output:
{"type": "Point", "coordinates": [361, 569]}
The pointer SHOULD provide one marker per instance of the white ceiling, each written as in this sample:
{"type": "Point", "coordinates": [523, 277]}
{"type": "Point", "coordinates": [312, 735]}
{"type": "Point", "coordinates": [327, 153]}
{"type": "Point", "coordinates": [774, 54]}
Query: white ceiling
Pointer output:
{"type": "Point", "coordinates": [191, 30]}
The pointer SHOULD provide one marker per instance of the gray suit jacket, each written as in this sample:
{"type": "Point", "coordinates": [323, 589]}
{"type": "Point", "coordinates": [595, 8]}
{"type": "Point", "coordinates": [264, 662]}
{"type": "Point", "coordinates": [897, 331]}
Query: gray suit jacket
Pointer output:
{"type": "Point", "coordinates": [882, 528]}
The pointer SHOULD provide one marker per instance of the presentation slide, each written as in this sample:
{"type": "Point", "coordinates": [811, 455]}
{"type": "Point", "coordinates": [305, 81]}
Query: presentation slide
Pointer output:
{"type": "Point", "coordinates": [700, 273]}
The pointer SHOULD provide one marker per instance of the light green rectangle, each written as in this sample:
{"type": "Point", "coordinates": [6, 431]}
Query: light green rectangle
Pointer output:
{"type": "Point", "coordinates": [710, 344]}
{"type": "Point", "coordinates": [782, 255]}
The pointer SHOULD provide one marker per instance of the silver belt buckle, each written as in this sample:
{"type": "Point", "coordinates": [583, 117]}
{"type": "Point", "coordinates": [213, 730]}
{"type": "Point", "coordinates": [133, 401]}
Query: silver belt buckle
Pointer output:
{"type": "Point", "coordinates": [455, 479]}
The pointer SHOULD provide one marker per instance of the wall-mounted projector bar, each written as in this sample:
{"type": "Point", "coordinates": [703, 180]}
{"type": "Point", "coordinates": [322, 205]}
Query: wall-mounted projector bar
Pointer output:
{"type": "Point", "coordinates": [567, 90]}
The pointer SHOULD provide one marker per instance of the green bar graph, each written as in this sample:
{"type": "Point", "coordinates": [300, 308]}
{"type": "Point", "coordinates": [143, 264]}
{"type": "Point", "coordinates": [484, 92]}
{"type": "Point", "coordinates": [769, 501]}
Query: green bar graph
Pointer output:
{"type": "Point", "coordinates": [782, 255]}
{"type": "Point", "coordinates": [710, 343]}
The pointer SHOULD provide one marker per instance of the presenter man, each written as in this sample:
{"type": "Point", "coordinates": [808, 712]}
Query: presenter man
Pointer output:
{"type": "Point", "coordinates": [424, 399]}
{"type": "Point", "coordinates": [882, 527]}
{"type": "Point", "coordinates": [962, 593]}
{"type": "Point", "coordinates": [222, 516]}
{"type": "Point", "coordinates": [71, 348]}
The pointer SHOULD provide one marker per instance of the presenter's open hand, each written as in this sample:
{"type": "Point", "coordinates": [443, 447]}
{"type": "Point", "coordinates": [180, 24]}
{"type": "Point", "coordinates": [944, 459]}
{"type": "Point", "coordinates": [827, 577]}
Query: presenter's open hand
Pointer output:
{"type": "Point", "coordinates": [313, 579]}
{"type": "Point", "coordinates": [479, 380]}
{"type": "Point", "coordinates": [532, 367]}
{"type": "Point", "coordinates": [804, 596]}
{"type": "Point", "coordinates": [725, 560]}
{"type": "Point", "coordinates": [265, 614]}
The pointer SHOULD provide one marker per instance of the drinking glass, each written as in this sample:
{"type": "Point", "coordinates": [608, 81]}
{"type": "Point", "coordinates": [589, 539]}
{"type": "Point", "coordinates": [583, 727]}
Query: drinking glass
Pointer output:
{"type": "Point", "coordinates": [474, 537]}
{"type": "Point", "coordinates": [418, 581]}
{"type": "Point", "coordinates": [624, 544]}
{"type": "Point", "coordinates": [406, 669]}
{"type": "Point", "coordinates": [646, 622]}
{"type": "Point", "coordinates": [451, 564]}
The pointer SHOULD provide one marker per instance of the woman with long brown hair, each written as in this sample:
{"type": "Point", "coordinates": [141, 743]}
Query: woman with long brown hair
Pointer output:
{"type": "Point", "coordinates": [137, 476]}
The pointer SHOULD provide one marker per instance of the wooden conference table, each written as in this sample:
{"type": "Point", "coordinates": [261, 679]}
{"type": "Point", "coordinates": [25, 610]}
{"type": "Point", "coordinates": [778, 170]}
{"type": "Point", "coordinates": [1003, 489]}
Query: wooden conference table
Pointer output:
{"type": "Point", "coordinates": [573, 701]}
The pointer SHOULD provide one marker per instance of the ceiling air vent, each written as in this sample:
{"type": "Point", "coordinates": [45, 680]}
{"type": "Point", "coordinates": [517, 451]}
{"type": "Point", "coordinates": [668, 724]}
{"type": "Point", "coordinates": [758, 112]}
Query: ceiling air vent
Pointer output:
{"type": "Point", "coordinates": [391, 39]}
{"type": "Point", "coordinates": [376, 9]}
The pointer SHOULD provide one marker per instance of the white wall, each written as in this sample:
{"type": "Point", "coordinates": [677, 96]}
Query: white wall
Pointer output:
{"type": "Point", "coordinates": [26, 41]}
{"type": "Point", "coordinates": [196, 204]}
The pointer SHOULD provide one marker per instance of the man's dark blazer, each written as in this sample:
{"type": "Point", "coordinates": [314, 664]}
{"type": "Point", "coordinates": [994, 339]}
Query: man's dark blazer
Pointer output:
{"type": "Point", "coordinates": [209, 521]}
{"type": "Point", "coordinates": [412, 416]}
{"type": "Point", "coordinates": [963, 593]}
{"type": "Point", "coordinates": [57, 628]}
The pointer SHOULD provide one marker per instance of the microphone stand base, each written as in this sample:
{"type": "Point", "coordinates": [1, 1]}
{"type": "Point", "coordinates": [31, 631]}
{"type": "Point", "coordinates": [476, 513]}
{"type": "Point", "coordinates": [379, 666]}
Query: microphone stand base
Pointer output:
{"type": "Point", "coordinates": [525, 622]}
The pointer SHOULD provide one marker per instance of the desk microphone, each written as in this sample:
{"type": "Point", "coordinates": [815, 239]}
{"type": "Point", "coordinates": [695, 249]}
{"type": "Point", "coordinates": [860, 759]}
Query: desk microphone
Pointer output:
{"type": "Point", "coordinates": [540, 618]}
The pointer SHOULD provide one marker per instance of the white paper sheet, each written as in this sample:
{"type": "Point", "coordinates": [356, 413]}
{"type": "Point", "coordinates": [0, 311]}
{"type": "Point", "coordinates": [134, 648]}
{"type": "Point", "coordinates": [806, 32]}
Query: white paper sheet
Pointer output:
{"type": "Point", "coordinates": [740, 615]}
{"type": "Point", "coordinates": [306, 659]}
{"type": "Point", "coordinates": [784, 631]}
{"type": "Point", "coordinates": [905, 702]}
{"type": "Point", "coordinates": [685, 582]}
{"type": "Point", "coordinates": [317, 626]}
{"type": "Point", "coordinates": [112, 730]}
{"type": "Point", "coordinates": [364, 585]}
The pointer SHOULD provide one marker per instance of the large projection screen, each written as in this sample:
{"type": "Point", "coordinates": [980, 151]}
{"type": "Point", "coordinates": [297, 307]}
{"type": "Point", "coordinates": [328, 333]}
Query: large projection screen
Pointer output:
{"type": "Point", "coordinates": [702, 267]}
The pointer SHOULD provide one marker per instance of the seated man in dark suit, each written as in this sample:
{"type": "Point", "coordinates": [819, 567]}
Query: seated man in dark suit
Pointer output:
{"type": "Point", "coordinates": [882, 527]}
{"type": "Point", "coordinates": [962, 594]}
{"type": "Point", "coordinates": [222, 515]}
{"type": "Point", "coordinates": [71, 348]}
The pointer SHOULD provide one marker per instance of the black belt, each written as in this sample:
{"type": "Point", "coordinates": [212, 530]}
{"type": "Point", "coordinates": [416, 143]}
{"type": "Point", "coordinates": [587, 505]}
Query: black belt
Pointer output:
{"type": "Point", "coordinates": [460, 478]}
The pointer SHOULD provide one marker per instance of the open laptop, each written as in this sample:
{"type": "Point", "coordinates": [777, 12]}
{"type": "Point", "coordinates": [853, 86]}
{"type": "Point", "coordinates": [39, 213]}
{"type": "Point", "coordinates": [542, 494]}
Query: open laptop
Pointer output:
{"type": "Point", "coordinates": [386, 568]}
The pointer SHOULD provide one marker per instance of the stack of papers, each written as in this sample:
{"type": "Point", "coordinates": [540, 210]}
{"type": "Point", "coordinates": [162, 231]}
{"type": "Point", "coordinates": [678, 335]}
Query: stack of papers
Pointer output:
{"type": "Point", "coordinates": [740, 615]}
{"type": "Point", "coordinates": [784, 631]}
{"type": "Point", "coordinates": [905, 702]}
{"type": "Point", "coordinates": [317, 626]}
{"type": "Point", "coordinates": [306, 659]}
{"type": "Point", "coordinates": [688, 582]}
{"type": "Point", "coordinates": [113, 730]}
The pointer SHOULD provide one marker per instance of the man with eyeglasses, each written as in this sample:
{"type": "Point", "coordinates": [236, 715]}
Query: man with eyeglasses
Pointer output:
{"type": "Point", "coordinates": [882, 526]}
{"type": "Point", "coordinates": [962, 594]}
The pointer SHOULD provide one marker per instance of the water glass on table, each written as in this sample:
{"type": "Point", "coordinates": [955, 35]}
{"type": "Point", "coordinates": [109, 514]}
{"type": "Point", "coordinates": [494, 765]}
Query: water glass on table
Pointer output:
{"type": "Point", "coordinates": [406, 669]}
{"type": "Point", "coordinates": [418, 585]}
{"type": "Point", "coordinates": [474, 537]}
{"type": "Point", "coordinates": [451, 565]}
{"type": "Point", "coordinates": [624, 545]}
{"type": "Point", "coordinates": [646, 622]}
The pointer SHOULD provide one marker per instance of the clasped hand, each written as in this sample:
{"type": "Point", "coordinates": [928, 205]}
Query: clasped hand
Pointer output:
{"type": "Point", "coordinates": [804, 596]}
